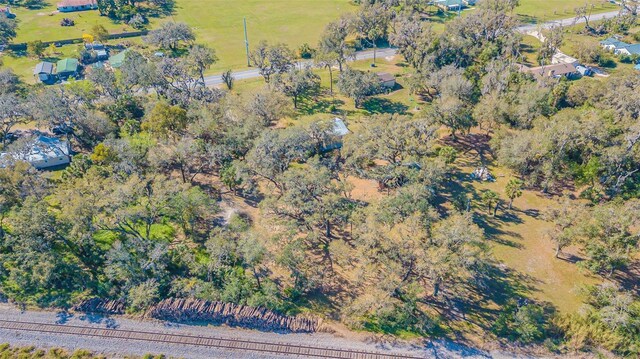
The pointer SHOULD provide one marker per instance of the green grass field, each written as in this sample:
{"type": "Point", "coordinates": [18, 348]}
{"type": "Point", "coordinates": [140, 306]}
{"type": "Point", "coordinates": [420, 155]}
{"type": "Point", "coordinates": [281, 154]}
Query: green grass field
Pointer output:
{"type": "Point", "coordinates": [44, 24]}
{"type": "Point", "coordinates": [218, 23]}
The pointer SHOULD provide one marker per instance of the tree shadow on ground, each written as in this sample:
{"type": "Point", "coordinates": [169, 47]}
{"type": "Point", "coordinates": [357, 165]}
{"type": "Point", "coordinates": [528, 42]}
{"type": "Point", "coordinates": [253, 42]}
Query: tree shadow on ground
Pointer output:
{"type": "Point", "coordinates": [383, 105]}
{"type": "Point", "coordinates": [321, 105]}
{"type": "Point", "coordinates": [494, 232]}
{"type": "Point", "coordinates": [480, 302]}
{"type": "Point", "coordinates": [479, 143]}
{"type": "Point", "coordinates": [629, 279]}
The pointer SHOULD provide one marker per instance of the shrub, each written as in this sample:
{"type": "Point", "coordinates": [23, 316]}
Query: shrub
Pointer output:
{"type": "Point", "coordinates": [526, 323]}
{"type": "Point", "coordinates": [306, 51]}
{"type": "Point", "coordinates": [606, 61]}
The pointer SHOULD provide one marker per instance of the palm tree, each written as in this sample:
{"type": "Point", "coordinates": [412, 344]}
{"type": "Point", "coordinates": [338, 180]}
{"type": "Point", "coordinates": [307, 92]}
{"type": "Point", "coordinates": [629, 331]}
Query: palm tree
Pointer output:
{"type": "Point", "coordinates": [513, 189]}
{"type": "Point", "coordinates": [490, 198]}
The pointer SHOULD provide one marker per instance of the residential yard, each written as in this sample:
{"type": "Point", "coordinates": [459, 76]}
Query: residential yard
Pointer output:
{"type": "Point", "coordinates": [529, 50]}
{"type": "Point", "coordinates": [23, 65]}
{"type": "Point", "coordinates": [44, 24]}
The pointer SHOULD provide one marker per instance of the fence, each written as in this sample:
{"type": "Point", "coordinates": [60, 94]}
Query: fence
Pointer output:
{"type": "Point", "coordinates": [23, 46]}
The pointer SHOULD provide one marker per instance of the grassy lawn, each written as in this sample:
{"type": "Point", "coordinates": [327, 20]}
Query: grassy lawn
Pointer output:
{"type": "Point", "coordinates": [44, 24]}
{"type": "Point", "coordinates": [521, 244]}
{"type": "Point", "coordinates": [545, 10]}
{"type": "Point", "coordinates": [218, 23]}
{"type": "Point", "coordinates": [529, 50]}
{"type": "Point", "coordinates": [23, 65]}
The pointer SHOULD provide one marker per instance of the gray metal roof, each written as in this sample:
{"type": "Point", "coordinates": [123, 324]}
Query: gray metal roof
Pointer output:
{"type": "Point", "coordinates": [339, 128]}
{"type": "Point", "coordinates": [43, 68]}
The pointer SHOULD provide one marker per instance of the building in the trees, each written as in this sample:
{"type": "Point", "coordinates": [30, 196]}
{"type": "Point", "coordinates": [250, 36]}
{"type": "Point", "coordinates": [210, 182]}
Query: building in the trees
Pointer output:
{"type": "Point", "coordinates": [67, 68]}
{"type": "Point", "coordinates": [6, 11]}
{"type": "Point", "coordinates": [45, 72]}
{"type": "Point", "coordinates": [551, 71]}
{"type": "Point", "coordinates": [338, 131]}
{"type": "Point", "coordinates": [618, 47]}
{"type": "Point", "coordinates": [42, 152]}
{"type": "Point", "coordinates": [560, 58]}
{"type": "Point", "coordinates": [77, 5]}
{"type": "Point", "coordinates": [117, 59]}
{"type": "Point", "coordinates": [450, 5]}
{"type": "Point", "coordinates": [387, 80]}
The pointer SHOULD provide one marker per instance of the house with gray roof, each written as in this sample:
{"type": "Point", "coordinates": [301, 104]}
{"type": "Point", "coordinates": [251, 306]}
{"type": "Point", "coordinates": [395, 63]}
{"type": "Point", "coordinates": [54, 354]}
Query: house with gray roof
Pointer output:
{"type": "Point", "coordinates": [336, 134]}
{"type": "Point", "coordinates": [618, 47]}
{"type": "Point", "coordinates": [41, 152]}
{"type": "Point", "coordinates": [45, 72]}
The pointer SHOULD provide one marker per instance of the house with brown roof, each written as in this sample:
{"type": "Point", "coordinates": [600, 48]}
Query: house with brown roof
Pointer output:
{"type": "Point", "coordinates": [551, 71]}
{"type": "Point", "coordinates": [77, 5]}
{"type": "Point", "coordinates": [387, 80]}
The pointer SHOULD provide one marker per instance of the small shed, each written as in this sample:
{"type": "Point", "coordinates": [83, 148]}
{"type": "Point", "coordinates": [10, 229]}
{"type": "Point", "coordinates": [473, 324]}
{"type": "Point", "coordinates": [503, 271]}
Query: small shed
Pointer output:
{"type": "Point", "coordinates": [117, 59]}
{"type": "Point", "coordinates": [42, 152]}
{"type": "Point", "coordinates": [102, 55]}
{"type": "Point", "coordinates": [387, 80]}
{"type": "Point", "coordinates": [44, 71]}
{"type": "Point", "coordinates": [67, 67]}
{"type": "Point", "coordinates": [77, 5]}
{"type": "Point", "coordinates": [337, 133]}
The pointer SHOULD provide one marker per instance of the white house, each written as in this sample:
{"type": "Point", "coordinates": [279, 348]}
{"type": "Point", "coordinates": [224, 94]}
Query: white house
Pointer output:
{"type": "Point", "coordinates": [336, 133]}
{"type": "Point", "coordinates": [77, 5]}
{"type": "Point", "coordinates": [42, 152]}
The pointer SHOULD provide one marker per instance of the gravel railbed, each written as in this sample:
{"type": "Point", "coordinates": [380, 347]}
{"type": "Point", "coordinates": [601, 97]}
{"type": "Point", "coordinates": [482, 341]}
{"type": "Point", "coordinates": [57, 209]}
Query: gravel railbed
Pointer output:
{"type": "Point", "coordinates": [119, 347]}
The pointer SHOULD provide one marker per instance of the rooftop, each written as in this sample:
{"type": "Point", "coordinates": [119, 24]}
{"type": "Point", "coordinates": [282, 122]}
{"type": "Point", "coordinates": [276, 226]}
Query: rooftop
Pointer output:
{"type": "Point", "coordinates": [384, 77]}
{"type": "Point", "coordinates": [117, 59]}
{"type": "Point", "coordinates": [549, 70]}
{"type": "Point", "coordinates": [613, 41]}
{"type": "Point", "coordinates": [339, 128]}
{"type": "Point", "coordinates": [67, 65]}
{"type": "Point", "coordinates": [67, 3]}
{"type": "Point", "coordinates": [42, 148]}
{"type": "Point", "coordinates": [633, 49]}
{"type": "Point", "coordinates": [43, 68]}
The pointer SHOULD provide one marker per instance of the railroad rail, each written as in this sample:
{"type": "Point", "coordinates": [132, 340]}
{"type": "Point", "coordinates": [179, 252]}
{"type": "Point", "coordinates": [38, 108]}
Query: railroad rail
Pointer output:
{"type": "Point", "coordinates": [200, 341]}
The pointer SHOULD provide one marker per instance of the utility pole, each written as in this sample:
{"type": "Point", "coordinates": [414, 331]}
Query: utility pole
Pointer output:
{"type": "Point", "coordinates": [246, 41]}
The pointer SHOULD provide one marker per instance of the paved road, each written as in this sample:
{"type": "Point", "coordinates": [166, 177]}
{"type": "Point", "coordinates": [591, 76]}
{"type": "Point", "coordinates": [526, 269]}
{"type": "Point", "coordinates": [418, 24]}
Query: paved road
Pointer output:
{"type": "Point", "coordinates": [566, 22]}
{"type": "Point", "coordinates": [368, 54]}
{"type": "Point", "coordinates": [253, 73]}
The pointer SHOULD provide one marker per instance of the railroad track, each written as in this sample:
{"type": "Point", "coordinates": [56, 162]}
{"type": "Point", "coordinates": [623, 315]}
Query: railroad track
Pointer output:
{"type": "Point", "coordinates": [183, 339]}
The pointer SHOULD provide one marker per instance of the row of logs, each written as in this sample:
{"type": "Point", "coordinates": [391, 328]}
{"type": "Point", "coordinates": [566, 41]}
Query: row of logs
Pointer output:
{"type": "Point", "coordinates": [101, 306]}
{"type": "Point", "coordinates": [231, 314]}
{"type": "Point", "coordinates": [196, 310]}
